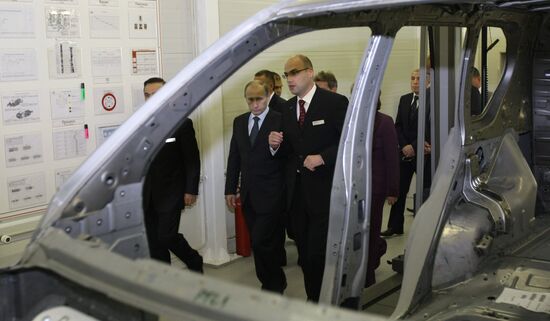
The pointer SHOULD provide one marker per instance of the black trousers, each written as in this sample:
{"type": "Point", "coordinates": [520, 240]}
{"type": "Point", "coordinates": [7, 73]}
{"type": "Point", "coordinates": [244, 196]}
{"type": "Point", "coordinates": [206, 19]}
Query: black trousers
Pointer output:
{"type": "Point", "coordinates": [265, 235]}
{"type": "Point", "coordinates": [163, 236]}
{"type": "Point", "coordinates": [406, 172]}
{"type": "Point", "coordinates": [310, 229]}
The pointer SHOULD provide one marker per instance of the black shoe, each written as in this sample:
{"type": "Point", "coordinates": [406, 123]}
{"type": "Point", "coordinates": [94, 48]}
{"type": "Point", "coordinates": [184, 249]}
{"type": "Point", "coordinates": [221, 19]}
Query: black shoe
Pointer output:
{"type": "Point", "coordinates": [195, 265]}
{"type": "Point", "coordinates": [390, 232]}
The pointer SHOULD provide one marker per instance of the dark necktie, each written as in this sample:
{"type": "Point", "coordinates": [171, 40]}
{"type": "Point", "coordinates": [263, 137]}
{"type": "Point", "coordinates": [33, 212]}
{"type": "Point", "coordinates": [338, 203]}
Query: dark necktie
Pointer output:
{"type": "Point", "coordinates": [413, 118]}
{"type": "Point", "coordinates": [302, 116]}
{"type": "Point", "coordinates": [255, 130]}
{"type": "Point", "coordinates": [414, 105]}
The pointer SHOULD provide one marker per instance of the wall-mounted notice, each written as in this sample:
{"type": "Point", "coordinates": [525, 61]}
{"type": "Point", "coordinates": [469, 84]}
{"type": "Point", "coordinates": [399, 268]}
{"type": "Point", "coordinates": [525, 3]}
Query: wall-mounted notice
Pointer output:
{"type": "Point", "coordinates": [20, 107]}
{"type": "Point", "coordinates": [64, 60]}
{"type": "Point", "coordinates": [104, 23]}
{"type": "Point", "coordinates": [23, 149]}
{"type": "Point", "coordinates": [142, 23]}
{"type": "Point", "coordinates": [151, 4]}
{"type": "Point", "coordinates": [104, 132]}
{"type": "Point", "coordinates": [69, 143]}
{"type": "Point", "coordinates": [62, 23]}
{"type": "Point", "coordinates": [18, 64]}
{"type": "Point", "coordinates": [61, 1]}
{"type": "Point", "coordinates": [67, 107]}
{"type": "Point", "coordinates": [26, 191]}
{"type": "Point", "coordinates": [105, 3]}
{"type": "Point", "coordinates": [137, 96]}
{"type": "Point", "coordinates": [144, 62]}
{"type": "Point", "coordinates": [108, 100]}
{"type": "Point", "coordinates": [106, 65]}
{"type": "Point", "coordinates": [62, 175]}
{"type": "Point", "coordinates": [16, 22]}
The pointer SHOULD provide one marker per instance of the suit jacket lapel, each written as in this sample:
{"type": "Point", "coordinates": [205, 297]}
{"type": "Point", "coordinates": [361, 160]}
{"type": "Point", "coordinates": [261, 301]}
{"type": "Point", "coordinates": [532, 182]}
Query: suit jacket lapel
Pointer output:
{"type": "Point", "coordinates": [294, 120]}
{"type": "Point", "coordinates": [244, 131]}
{"type": "Point", "coordinates": [312, 109]}
{"type": "Point", "coordinates": [262, 134]}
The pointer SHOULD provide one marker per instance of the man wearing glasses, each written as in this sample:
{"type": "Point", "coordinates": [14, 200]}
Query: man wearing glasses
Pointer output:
{"type": "Point", "coordinates": [406, 126]}
{"type": "Point", "coordinates": [312, 125]}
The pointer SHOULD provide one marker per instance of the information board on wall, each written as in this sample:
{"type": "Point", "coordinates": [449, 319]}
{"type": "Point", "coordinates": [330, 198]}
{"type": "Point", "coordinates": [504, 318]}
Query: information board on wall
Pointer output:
{"type": "Point", "coordinates": [71, 72]}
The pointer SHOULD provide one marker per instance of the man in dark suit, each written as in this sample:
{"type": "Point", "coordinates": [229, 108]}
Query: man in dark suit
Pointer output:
{"type": "Point", "coordinates": [171, 183]}
{"type": "Point", "coordinates": [261, 184]}
{"type": "Point", "coordinates": [312, 125]}
{"type": "Point", "coordinates": [406, 125]}
{"type": "Point", "coordinates": [275, 102]}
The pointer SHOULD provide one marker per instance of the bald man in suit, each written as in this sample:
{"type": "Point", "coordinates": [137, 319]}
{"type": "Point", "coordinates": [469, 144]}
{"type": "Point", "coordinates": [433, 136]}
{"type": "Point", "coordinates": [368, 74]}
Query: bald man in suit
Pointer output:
{"type": "Point", "coordinates": [312, 124]}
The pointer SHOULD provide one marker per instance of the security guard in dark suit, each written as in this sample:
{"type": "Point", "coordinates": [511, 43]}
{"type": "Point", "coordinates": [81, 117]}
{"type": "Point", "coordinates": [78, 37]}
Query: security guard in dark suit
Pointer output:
{"type": "Point", "coordinates": [171, 183]}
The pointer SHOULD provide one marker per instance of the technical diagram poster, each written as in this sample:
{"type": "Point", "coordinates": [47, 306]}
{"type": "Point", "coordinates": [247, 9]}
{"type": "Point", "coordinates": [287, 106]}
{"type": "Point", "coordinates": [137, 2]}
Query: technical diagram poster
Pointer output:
{"type": "Point", "coordinates": [20, 107]}
{"type": "Point", "coordinates": [16, 22]}
{"type": "Point", "coordinates": [62, 175]}
{"type": "Point", "coordinates": [105, 3]}
{"type": "Point", "coordinates": [62, 23]}
{"type": "Point", "coordinates": [104, 132]}
{"type": "Point", "coordinates": [18, 64]}
{"type": "Point", "coordinates": [104, 23]}
{"type": "Point", "coordinates": [137, 96]}
{"type": "Point", "coordinates": [144, 62]}
{"type": "Point", "coordinates": [26, 191]}
{"type": "Point", "coordinates": [142, 4]}
{"type": "Point", "coordinates": [106, 65]}
{"type": "Point", "coordinates": [23, 149]}
{"type": "Point", "coordinates": [66, 104]}
{"type": "Point", "coordinates": [142, 23]}
{"type": "Point", "coordinates": [108, 100]}
{"type": "Point", "coordinates": [64, 60]}
{"type": "Point", "coordinates": [69, 143]}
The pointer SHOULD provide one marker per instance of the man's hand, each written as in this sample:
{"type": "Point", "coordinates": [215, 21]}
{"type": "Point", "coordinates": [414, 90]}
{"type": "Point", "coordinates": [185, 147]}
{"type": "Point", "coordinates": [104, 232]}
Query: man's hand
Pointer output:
{"type": "Point", "coordinates": [275, 139]}
{"type": "Point", "coordinates": [427, 148]}
{"type": "Point", "coordinates": [189, 199]}
{"type": "Point", "coordinates": [313, 161]}
{"type": "Point", "coordinates": [231, 200]}
{"type": "Point", "coordinates": [391, 200]}
{"type": "Point", "coordinates": [408, 151]}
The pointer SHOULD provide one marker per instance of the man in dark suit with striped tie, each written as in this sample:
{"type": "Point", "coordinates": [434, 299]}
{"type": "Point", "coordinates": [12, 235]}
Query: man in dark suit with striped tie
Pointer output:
{"type": "Point", "coordinates": [312, 124]}
{"type": "Point", "coordinates": [261, 184]}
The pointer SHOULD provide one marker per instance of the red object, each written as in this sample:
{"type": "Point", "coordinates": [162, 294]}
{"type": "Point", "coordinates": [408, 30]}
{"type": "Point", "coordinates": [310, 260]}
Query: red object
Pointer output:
{"type": "Point", "coordinates": [241, 231]}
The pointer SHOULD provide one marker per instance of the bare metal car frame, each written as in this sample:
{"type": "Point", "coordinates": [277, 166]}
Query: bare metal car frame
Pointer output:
{"type": "Point", "coordinates": [478, 232]}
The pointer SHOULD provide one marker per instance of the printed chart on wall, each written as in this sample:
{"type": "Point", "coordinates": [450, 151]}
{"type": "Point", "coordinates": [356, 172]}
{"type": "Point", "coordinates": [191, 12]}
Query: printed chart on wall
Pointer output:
{"type": "Point", "coordinates": [144, 62]}
{"type": "Point", "coordinates": [104, 3]}
{"type": "Point", "coordinates": [64, 60]}
{"type": "Point", "coordinates": [69, 143]}
{"type": "Point", "coordinates": [16, 21]}
{"type": "Point", "coordinates": [108, 100]}
{"type": "Point", "coordinates": [62, 175]}
{"type": "Point", "coordinates": [104, 23]}
{"type": "Point", "coordinates": [23, 149]}
{"type": "Point", "coordinates": [20, 107]}
{"type": "Point", "coordinates": [18, 64]}
{"type": "Point", "coordinates": [26, 191]}
{"type": "Point", "coordinates": [62, 23]}
{"type": "Point", "coordinates": [106, 65]}
{"type": "Point", "coordinates": [104, 132]}
{"type": "Point", "coordinates": [67, 107]}
{"type": "Point", "coordinates": [142, 23]}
